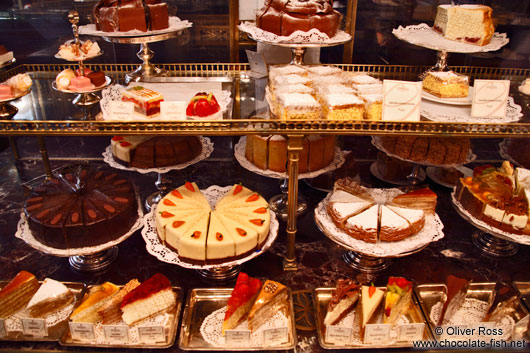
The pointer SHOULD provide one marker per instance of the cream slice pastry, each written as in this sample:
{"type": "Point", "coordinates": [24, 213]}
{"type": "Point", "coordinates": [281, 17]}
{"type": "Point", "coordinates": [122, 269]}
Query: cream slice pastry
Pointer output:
{"type": "Point", "coordinates": [343, 211]}
{"type": "Point", "coordinates": [50, 297]}
{"type": "Point", "coordinates": [365, 224]}
{"type": "Point", "coordinates": [371, 297]}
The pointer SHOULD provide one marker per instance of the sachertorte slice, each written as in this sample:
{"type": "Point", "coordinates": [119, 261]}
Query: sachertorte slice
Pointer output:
{"type": "Point", "coordinates": [50, 297]}
{"type": "Point", "coordinates": [272, 298]}
{"type": "Point", "coordinates": [110, 312]}
{"type": "Point", "coordinates": [92, 301]}
{"type": "Point", "coordinates": [241, 300]}
{"type": "Point", "coordinates": [17, 293]}
{"type": "Point", "coordinates": [398, 299]}
{"type": "Point", "coordinates": [154, 295]}
{"type": "Point", "coordinates": [371, 297]}
{"type": "Point", "coordinates": [455, 295]}
{"type": "Point", "coordinates": [343, 299]}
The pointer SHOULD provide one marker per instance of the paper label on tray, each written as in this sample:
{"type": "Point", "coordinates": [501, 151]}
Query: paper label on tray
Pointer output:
{"type": "Point", "coordinates": [520, 328]}
{"type": "Point", "coordinates": [401, 100]}
{"type": "Point", "coordinates": [411, 332]}
{"type": "Point", "coordinates": [151, 334]}
{"type": "Point", "coordinates": [175, 110]}
{"type": "Point", "coordinates": [338, 334]}
{"type": "Point", "coordinates": [490, 98]}
{"type": "Point", "coordinates": [237, 338]}
{"type": "Point", "coordinates": [275, 336]}
{"type": "Point", "coordinates": [3, 331]}
{"type": "Point", "coordinates": [377, 333]}
{"type": "Point", "coordinates": [116, 333]}
{"type": "Point", "coordinates": [34, 327]}
{"type": "Point", "coordinates": [258, 66]}
{"type": "Point", "coordinates": [82, 331]}
{"type": "Point", "coordinates": [121, 110]}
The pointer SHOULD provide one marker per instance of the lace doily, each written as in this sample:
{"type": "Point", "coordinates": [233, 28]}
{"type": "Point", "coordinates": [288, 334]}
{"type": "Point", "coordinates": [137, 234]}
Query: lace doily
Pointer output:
{"type": "Point", "coordinates": [24, 233]}
{"type": "Point", "coordinates": [426, 37]}
{"type": "Point", "coordinates": [503, 151]}
{"type": "Point", "coordinates": [378, 143]}
{"type": "Point", "coordinates": [113, 93]}
{"type": "Point", "coordinates": [213, 194]}
{"type": "Point", "coordinates": [518, 238]}
{"type": "Point", "coordinates": [314, 36]}
{"type": "Point", "coordinates": [432, 230]}
{"type": "Point", "coordinates": [473, 311]}
{"type": "Point", "coordinates": [14, 323]}
{"type": "Point", "coordinates": [175, 24]}
{"type": "Point", "coordinates": [239, 153]}
{"type": "Point", "coordinates": [212, 327]}
{"type": "Point", "coordinates": [462, 114]}
{"type": "Point", "coordinates": [352, 320]}
{"type": "Point", "coordinates": [207, 149]}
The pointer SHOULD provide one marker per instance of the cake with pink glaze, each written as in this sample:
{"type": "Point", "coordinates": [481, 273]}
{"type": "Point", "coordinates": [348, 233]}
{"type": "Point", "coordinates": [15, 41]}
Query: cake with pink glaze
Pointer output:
{"type": "Point", "coordinates": [6, 92]}
{"type": "Point", "coordinates": [80, 84]}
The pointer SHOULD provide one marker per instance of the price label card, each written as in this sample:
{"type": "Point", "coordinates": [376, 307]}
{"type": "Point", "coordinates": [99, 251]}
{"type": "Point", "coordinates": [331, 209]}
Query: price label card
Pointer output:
{"type": "Point", "coordinates": [116, 333]}
{"type": "Point", "coordinates": [275, 336]}
{"type": "Point", "coordinates": [401, 100]}
{"type": "Point", "coordinates": [173, 110]}
{"type": "Point", "coordinates": [377, 333]}
{"type": "Point", "coordinates": [237, 338]}
{"type": "Point", "coordinates": [338, 334]}
{"type": "Point", "coordinates": [151, 334]}
{"type": "Point", "coordinates": [258, 66]}
{"type": "Point", "coordinates": [82, 331]}
{"type": "Point", "coordinates": [121, 110]}
{"type": "Point", "coordinates": [34, 327]}
{"type": "Point", "coordinates": [3, 329]}
{"type": "Point", "coordinates": [490, 98]}
{"type": "Point", "coordinates": [411, 332]}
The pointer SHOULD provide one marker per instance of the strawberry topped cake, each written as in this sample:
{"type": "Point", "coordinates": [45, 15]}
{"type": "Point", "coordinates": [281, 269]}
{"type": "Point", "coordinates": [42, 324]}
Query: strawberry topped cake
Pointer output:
{"type": "Point", "coordinates": [241, 300]}
{"type": "Point", "coordinates": [204, 105]}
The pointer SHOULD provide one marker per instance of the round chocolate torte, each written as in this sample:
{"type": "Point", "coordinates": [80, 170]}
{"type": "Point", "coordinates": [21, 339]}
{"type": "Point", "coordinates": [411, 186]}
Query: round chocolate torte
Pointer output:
{"type": "Point", "coordinates": [81, 207]}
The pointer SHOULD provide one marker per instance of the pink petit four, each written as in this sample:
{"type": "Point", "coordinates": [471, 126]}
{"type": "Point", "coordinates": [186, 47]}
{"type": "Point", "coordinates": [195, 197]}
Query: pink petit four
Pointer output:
{"type": "Point", "coordinates": [6, 92]}
{"type": "Point", "coordinates": [80, 83]}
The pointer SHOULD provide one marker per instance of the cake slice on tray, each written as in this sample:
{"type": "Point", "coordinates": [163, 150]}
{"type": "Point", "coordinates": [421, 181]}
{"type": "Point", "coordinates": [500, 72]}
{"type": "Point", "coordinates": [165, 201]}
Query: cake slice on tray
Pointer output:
{"type": "Point", "coordinates": [455, 295]}
{"type": "Point", "coordinates": [92, 301]}
{"type": "Point", "coordinates": [241, 300]}
{"type": "Point", "coordinates": [17, 293]}
{"type": "Point", "coordinates": [343, 300]}
{"type": "Point", "coordinates": [371, 297]}
{"type": "Point", "coordinates": [110, 312]}
{"type": "Point", "coordinates": [398, 299]}
{"type": "Point", "coordinates": [153, 296]}
{"type": "Point", "coordinates": [50, 297]}
{"type": "Point", "coordinates": [419, 199]}
{"type": "Point", "coordinates": [272, 298]}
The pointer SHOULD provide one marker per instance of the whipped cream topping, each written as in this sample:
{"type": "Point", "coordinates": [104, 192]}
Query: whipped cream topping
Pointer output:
{"type": "Point", "coordinates": [335, 88]}
{"type": "Point", "coordinates": [286, 70]}
{"type": "Point", "coordinates": [50, 288]}
{"type": "Point", "coordinates": [366, 220]}
{"type": "Point", "coordinates": [372, 98]}
{"type": "Point", "coordinates": [364, 79]}
{"type": "Point", "coordinates": [341, 99]}
{"type": "Point", "coordinates": [290, 80]}
{"type": "Point", "coordinates": [344, 210]}
{"type": "Point", "coordinates": [295, 88]}
{"type": "Point", "coordinates": [390, 219]}
{"type": "Point", "coordinates": [410, 214]}
{"type": "Point", "coordinates": [368, 88]}
{"type": "Point", "coordinates": [343, 196]}
{"type": "Point", "coordinates": [291, 100]}
{"type": "Point", "coordinates": [324, 70]}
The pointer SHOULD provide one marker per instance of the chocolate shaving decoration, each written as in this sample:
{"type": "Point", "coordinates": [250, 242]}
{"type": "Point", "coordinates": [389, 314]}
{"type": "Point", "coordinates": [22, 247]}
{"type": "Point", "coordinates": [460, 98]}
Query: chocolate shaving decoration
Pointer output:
{"type": "Point", "coordinates": [345, 288]}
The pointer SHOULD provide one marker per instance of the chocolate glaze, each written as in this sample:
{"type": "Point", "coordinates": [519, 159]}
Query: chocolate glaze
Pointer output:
{"type": "Point", "coordinates": [126, 15]}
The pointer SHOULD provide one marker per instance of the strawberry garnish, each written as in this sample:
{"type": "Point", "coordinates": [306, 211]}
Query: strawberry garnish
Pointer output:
{"type": "Point", "coordinates": [202, 105]}
{"type": "Point", "coordinates": [242, 277]}
{"type": "Point", "coordinates": [387, 311]}
{"type": "Point", "coordinates": [168, 202]}
{"type": "Point", "coordinates": [117, 138]}
{"type": "Point", "coordinates": [124, 144]}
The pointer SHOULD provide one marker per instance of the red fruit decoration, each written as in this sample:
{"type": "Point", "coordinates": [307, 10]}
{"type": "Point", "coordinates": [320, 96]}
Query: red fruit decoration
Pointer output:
{"type": "Point", "coordinates": [202, 105]}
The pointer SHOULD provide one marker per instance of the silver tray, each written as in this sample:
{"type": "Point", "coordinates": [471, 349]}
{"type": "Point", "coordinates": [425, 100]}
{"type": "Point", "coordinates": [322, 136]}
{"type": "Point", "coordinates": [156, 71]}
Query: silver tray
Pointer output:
{"type": "Point", "coordinates": [202, 302]}
{"type": "Point", "coordinates": [171, 332]}
{"type": "Point", "coordinates": [524, 290]}
{"type": "Point", "coordinates": [321, 297]}
{"type": "Point", "coordinates": [54, 332]}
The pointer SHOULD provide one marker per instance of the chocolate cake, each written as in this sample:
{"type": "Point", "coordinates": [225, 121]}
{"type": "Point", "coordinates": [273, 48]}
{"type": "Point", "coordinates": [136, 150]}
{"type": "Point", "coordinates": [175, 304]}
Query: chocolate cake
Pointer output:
{"type": "Point", "coordinates": [283, 17]}
{"type": "Point", "coordinates": [97, 78]}
{"type": "Point", "coordinates": [127, 15]}
{"type": "Point", "coordinates": [80, 207]}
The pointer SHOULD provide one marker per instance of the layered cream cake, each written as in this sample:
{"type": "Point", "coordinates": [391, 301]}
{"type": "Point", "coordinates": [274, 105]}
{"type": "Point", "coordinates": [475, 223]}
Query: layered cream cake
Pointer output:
{"type": "Point", "coordinates": [110, 312]}
{"type": "Point", "coordinates": [17, 293]}
{"type": "Point", "coordinates": [446, 84]}
{"type": "Point", "coordinates": [50, 297]}
{"type": "Point", "coordinates": [96, 297]}
{"type": "Point", "coordinates": [298, 106]}
{"type": "Point", "coordinates": [272, 298]}
{"type": "Point", "coordinates": [342, 106]}
{"type": "Point", "coordinates": [146, 101]}
{"type": "Point", "coordinates": [471, 24]}
{"type": "Point", "coordinates": [343, 300]}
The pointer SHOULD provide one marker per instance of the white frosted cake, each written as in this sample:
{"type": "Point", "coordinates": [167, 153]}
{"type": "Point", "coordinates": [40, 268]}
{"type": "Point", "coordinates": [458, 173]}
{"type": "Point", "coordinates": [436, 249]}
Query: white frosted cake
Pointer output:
{"type": "Point", "coordinates": [50, 297]}
{"type": "Point", "coordinates": [373, 105]}
{"type": "Point", "coordinates": [298, 106]}
{"type": "Point", "coordinates": [282, 80]}
{"type": "Point", "coordinates": [323, 70]}
{"type": "Point", "coordinates": [342, 106]}
{"type": "Point", "coordinates": [286, 70]}
{"type": "Point", "coordinates": [362, 89]}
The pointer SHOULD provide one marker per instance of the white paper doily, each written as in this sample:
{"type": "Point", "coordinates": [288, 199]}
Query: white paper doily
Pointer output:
{"type": "Point", "coordinates": [432, 230]}
{"type": "Point", "coordinates": [518, 238]}
{"type": "Point", "coordinates": [314, 36]}
{"type": "Point", "coordinates": [212, 327]}
{"type": "Point", "coordinates": [213, 194]}
{"type": "Point", "coordinates": [462, 114]}
{"type": "Point", "coordinates": [207, 149]}
{"type": "Point", "coordinates": [239, 153]}
{"type": "Point", "coordinates": [175, 24]}
{"type": "Point", "coordinates": [376, 141]}
{"type": "Point", "coordinates": [24, 233]}
{"type": "Point", "coordinates": [426, 37]}
{"type": "Point", "coordinates": [14, 323]}
{"type": "Point", "coordinates": [113, 93]}
{"type": "Point", "coordinates": [473, 311]}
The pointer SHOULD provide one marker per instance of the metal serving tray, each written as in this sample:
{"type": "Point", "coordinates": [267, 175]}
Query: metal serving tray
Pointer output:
{"type": "Point", "coordinates": [321, 297]}
{"type": "Point", "coordinates": [171, 332]}
{"type": "Point", "coordinates": [202, 302]}
{"type": "Point", "coordinates": [54, 332]}
{"type": "Point", "coordinates": [524, 290]}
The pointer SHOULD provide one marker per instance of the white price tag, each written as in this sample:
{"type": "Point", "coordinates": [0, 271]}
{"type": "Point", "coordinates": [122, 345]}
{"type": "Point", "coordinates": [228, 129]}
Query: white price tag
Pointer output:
{"type": "Point", "coordinates": [258, 66]}
{"type": "Point", "coordinates": [338, 334]}
{"type": "Point", "coordinates": [401, 100]}
{"type": "Point", "coordinates": [411, 332]}
{"type": "Point", "coordinates": [490, 98]}
{"type": "Point", "coordinates": [3, 330]}
{"type": "Point", "coordinates": [237, 338]}
{"type": "Point", "coordinates": [151, 334]}
{"type": "Point", "coordinates": [116, 333]}
{"type": "Point", "coordinates": [82, 331]}
{"type": "Point", "coordinates": [173, 110]}
{"type": "Point", "coordinates": [34, 327]}
{"type": "Point", "coordinates": [275, 336]}
{"type": "Point", "coordinates": [377, 333]}
{"type": "Point", "coordinates": [121, 110]}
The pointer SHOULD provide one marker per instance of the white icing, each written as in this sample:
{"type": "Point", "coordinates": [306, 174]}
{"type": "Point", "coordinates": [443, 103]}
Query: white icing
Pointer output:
{"type": "Point", "coordinates": [373, 98]}
{"type": "Point", "coordinates": [409, 214]}
{"type": "Point", "coordinates": [364, 79]}
{"type": "Point", "coordinates": [343, 196]}
{"type": "Point", "coordinates": [466, 6]}
{"type": "Point", "coordinates": [285, 70]}
{"type": "Point", "coordinates": [444, 74]}
{"type": "Point", "coordinates": [281, 80]}
{"type": "Point", "coordinates": [344, 210]}
{"type": "Point", "coordinates": [390, 219]}
{"type": "Point", "coordinates": [335, 88]}
{"type": "Point", "coordinates": [50, 288]}
{"type": "Point", "coordinates": [368, 89]}
{"type": "Point", "coordinates": [369, 304]}
{"type": "Point", "coordinates": [298, 100]}
{"type": "Point", "coordinates": [324, 70]}
{"type": "Point", "coordinates": [339, 99]}
{"type": "Point", "coordinates": [296, 88]}
{"type": "Point", "coordinates": [366, 219]}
